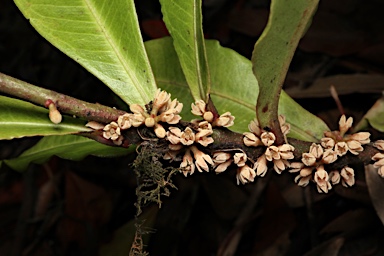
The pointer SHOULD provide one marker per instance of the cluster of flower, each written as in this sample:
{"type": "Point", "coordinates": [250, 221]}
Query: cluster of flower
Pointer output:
{"type": "Point", "coordinates": [186, 142]}
{"type": "Point", "coordinates": [334, 144]}
{"type": "Point", "coordinates": [163, 109]}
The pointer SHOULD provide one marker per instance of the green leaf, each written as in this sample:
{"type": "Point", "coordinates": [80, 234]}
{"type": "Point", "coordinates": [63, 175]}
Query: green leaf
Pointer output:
{"type": "Point", "coordinates": [183, 19]}
{"type": "Point", "coordinates": [20, 118]}
{"type": "Point", "coordinates": [103, 36]}
{"type": "Point", "coordinates": [274, 50]}
{"type": "Point", "coordinates": [69, 147]}
{"type": "Point", "coordinates": [374, 117]}
{"type": "Point", "coordinates": [234, 88]}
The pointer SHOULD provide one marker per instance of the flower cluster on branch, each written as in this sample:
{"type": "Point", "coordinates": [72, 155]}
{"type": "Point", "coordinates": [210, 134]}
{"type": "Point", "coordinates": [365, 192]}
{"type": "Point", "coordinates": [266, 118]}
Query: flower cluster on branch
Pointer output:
{"type": "Point", "coordinates": [190, 145]}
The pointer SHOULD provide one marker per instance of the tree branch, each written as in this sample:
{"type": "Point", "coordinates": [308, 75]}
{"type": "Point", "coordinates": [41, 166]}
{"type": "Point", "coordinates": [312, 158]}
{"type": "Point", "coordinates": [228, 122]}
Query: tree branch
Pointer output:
{"type": "Point", "coordinates": [66, 104]}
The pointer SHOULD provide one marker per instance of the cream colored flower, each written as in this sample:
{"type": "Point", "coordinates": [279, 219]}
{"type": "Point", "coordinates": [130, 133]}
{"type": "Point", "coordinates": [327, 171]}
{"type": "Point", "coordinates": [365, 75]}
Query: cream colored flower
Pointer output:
{"type": "Point", "coordinates": [345, 124]}
{"type": "Point", "coordinates": [316, 150]}
{"type": "Point", "coordinates": [149, 121]}
{"type": "Point", "coordinates": [254, 127]}
{"type": "Point", "coordinates": [118, 141]}
{"type": "Point", "coordinates": [322, 180]}
{"type": "Point", "coordinates": [201, 159]}
{"type": "Point", "coordinates": [111, 131]}
{"type": "Point", "coordinates": [329, 156]}
{"type": "Point", "coordinates": [285, 127]}
{"type": "Point", "coordinates": [224, 120]}
{"type": "Point", "coordinates": [95, 125]}
{"type": "Point", "coordinates": [124, 121]}
{"type": "Point", "coordinates": [348, 176]}
{"type": "Point", "coordinates": [341, 148]}
{"type": "Point", "coordinates": [268, 138]}
{"type": "Point", "coordinates": [137, 120]}
{"type": "Point", "coordinates": [362, 137]}
{"type": "Point", "coordinates": [137, 109]}
{"type": "Point", "coordinates": [198, 108]}
{"type": "Point", "coordinates": [308, 159]}
{"type": "Point", "coordinates": [286, 151]}
{"type": "Point", "coordinates": [379, 163]}
{"type": "Point", "coordinates": [279, 165]}
{"type": "Point", "coordinates": [221, 161]}
{"type": "Point", "coordinates": [240, 159]}
{"type": "Point", "coordinates": [354, 147]}
{"type": "Point", "coordinates": [204, 130]}
{"type": "Point", "coordinates": [245, 174]}
{"type": "Point", "coordinates": [379, 144]}
{"type": "Point", "coordinates": [334, 177]}
{"type": "Point", "coordinates": [327, 143]}
{"type": "Point", "coordinates": [271, 153]}
{"type": "Point", "coordinates": [187, 137]}
{"type": "Point", "coordinates": [161, 99]}
{"type": "Point", "coordinates": [187, 166]}
{"type": "Point", "coordinates": [170, 112]}
{"type": "Point", "coordinates": [174, 135]}
{"type": "Point", "coordinates": [251, 140]}
{"type": "Point", "coordinates": [261, 166]}
{"type": "Point", "coordinates": [304, 176]}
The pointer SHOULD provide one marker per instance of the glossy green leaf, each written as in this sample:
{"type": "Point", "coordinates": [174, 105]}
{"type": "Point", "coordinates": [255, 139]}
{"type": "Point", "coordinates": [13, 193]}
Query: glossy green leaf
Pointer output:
{"type": "Point", "coordinates": [234, 88]}
{"type": "Point", "coordinates": [274, 50]}
{"type": "Point", "coordinates": [20, 119]}
{"type": "Point", "coordinates": [69, 147]}
{"type": "Point", "coordinates": [374, 117]}
{"type": "Point", "coordinates": [183, 19]}
{"type": "Point", "coordinates": [103, 36]}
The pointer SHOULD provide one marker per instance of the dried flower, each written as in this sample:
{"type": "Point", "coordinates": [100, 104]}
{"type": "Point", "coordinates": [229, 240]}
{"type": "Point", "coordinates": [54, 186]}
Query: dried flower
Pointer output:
{"type": "Point", "coordinates": [201, 159]}
{"type": "Point", "coordinates": [322, 180]}
{"type": "Point", "coordinates": [245, 174]}
{"type": "Point", "coordinates": [348, 176]}
{"type": "Point", "coordinates": [124, 121]}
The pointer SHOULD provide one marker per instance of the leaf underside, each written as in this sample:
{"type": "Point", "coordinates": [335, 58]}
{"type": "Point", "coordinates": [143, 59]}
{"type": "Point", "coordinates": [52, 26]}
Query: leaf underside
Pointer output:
{"type": "Point", "coordinates": [184, 22]}
{"type": "Point", "coordinates": [103, 36]}
{"type": "Point", "coordinates": [69, 147]}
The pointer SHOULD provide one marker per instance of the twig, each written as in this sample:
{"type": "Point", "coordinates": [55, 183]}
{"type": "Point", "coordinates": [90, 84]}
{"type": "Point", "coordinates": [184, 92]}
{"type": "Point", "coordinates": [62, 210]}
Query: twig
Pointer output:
{"type": "Point", "coordinates": [66, 104]}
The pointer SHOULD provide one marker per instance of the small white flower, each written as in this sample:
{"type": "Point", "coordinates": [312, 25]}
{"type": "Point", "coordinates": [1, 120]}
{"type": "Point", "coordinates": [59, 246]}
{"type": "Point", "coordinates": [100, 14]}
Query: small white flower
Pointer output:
{"type": "Point", "coordinates": [379, 144]}
{"type": "Point", "coordinates": [345, 124]}
{"type": "Point", "coordinates": [286, 151]}
{"type": "Point", "coordinates": [111, 131]}
{"type": "Point", "coordinates": [201, 159]}
{"type": "Point", "coordinates": [261, 166]}
{"type": "Point", "coordinates": [245, 174]}
{"type": "Point", "coordinates": [334, 177]}
{"type": "Point", "coordinates": [362, 137]}
{"type": "Point", "coordinates": [225, 120]}
{"type": "Point", "coordinates": [354, 147]}
{"type": "Point", "coordinates": [348, 176]}
{"type": "Point", "coordinates": [322, 180]}
{"type": "Point", "coordinates": [124, 121]}
{"type": "Point", "coordinates": [174, 135]}
{"type": "Point", "coordinates": [272, 153]}
{"type": "Point", "coordinates": [161, 98]}
{"type": "Point", "coordinates": [187, 166]}
{"type": "Point", "coordinates": [198, 108]}
{"type": "Point", "coordinates": [254, 127]}
{"type": "Point", "coordinates": [327, 143]}
{"type": "Point", "coordinates": [221, 161]}
{"type": "Point", "coordinates": [308, 159]}
{"type": "Point", "coordinates": [329, 156]}
{"type": "Point", "coordinates": [268, 138]}
{"type": "Point", "coordinates": [240, 159]}
{"type": "Point", "coordinates": [341, 148]}
{"type": "Point", "coordinates": [187, 137]}
{"type": "Point", "coordinates": [251, 140]}
{"type": "Point", "coordinates": [280, 165]}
